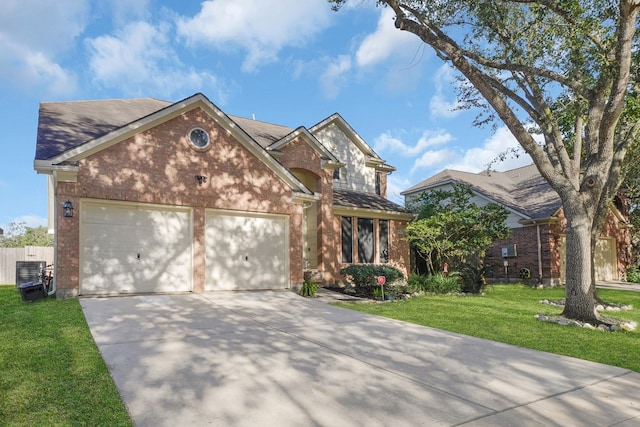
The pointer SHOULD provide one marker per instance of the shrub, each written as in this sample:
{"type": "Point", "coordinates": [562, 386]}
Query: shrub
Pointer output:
{"type": "Point", "coordinates": [364, 276]}
{"type": "Point", "coordinates": [437, 283]}
{"type": "Point", "coordinates": [633, 274]}
{"type": "Point", "coordinates": [473, 278]}
{"type": "Point", "coordinates": [308, 288]}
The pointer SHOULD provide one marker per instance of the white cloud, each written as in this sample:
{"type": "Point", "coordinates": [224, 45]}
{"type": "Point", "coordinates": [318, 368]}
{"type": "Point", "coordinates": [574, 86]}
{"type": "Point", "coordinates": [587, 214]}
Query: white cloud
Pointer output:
{"type": "Point", "coordinates": [395, 185]}
{"type": "Point", "coordinates": [388, 143]}
{"type": "Point", "coordinates": [443, 104]}
{"type": "Point", "coordinates": [32, 34]}
{"type": "Point", "coordinates": [260, 27]}
{"type": "Point", "coordinates": [477, 159]}
{"type": "Point", "coordinates": [139, 58]}
{"type": "Point", "coordinates": [401, 52]}
{"type": "Point", "coordinates": [386, 41]}
{"type": "Point", "coordinates": [432, 158]}
{"type": "Point", "coordinates": [334, 75]}
{"type": "Point", "coordinates": [126, 9]}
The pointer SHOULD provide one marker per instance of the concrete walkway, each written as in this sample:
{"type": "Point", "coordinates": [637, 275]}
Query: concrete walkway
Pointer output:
{"type": "Point", "coordinates": [621, 286]}
{"type": "Point", "coordinates": [277, 359]}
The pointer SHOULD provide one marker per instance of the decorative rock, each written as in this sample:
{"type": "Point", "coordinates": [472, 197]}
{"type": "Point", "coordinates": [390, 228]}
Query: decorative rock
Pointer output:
{"type": "Point", "coordinates": [602, 327]}
{"type": "Point", "coordinates": [563, 322]}
{"type": "Point", "coordinates": [588, 326]}
{"type": "Point", "coordinates": [599, 307]}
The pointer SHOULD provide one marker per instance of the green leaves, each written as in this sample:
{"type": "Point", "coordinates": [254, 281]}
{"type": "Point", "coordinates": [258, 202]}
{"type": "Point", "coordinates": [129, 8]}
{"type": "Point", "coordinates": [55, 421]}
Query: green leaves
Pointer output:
{"type": "Point", "coordinates": [19, 236]}
{"type": "Point", "coordinates": [450, 225]}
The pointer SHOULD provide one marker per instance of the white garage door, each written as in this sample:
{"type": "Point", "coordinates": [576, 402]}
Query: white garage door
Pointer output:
{"type": "Point", "coordinates": [605, 259]}
{"type": "Point", "coordinates": [245, 252]}
{"type": "Point", "coordinates": [132, 249]}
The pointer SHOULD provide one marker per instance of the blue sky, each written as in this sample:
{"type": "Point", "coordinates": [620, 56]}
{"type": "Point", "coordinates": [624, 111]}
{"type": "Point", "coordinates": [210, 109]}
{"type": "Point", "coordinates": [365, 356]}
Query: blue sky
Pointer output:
{"type": "Point", "coordinates": [289, 62]}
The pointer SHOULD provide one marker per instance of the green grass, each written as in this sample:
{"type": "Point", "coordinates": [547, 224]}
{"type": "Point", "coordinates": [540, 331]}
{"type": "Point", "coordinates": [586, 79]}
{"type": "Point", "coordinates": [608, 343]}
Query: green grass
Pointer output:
{"type": "Point", "coordinates": [52, 373]}
{"type": "Point", "coordinates": [506, 313]}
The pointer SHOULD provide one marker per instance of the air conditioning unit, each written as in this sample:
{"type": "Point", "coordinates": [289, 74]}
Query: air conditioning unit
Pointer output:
{"type": "Point", "coordinates": [509, 251]}
{"type": "Point", "coordinates": [28, 271]}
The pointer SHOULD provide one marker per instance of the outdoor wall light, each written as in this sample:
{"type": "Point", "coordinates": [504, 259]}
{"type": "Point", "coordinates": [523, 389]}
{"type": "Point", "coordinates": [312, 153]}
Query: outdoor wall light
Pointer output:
{"type": "Point", "coordinates": [68, 209]}
{"type": "Point", "coordinates": [201, 179]}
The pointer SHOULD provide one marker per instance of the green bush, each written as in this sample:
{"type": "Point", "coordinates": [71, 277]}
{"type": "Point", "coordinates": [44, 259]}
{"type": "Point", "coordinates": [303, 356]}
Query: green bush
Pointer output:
{"type": "Point", "coordinates": [473, 278]}
{"type": "Point", "coordinates": [364, 276]}
{"type": "Point", "coordinates": [308, 288]}
{"type": "Point", "coordinates": [633, 274]}
{"type": "Point", "coordinates": [437, 283]}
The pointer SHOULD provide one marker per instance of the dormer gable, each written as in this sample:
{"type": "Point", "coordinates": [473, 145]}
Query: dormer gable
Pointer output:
{"type": "Point", "coordinates": [364, 169]}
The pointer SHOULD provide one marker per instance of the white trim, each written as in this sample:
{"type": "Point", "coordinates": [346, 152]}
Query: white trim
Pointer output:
{"type": "Point", "coordinates": [163, 115]}
{"type": "Point", "coordinates": [372, 213]}
{"type": "Point", "coordinates": [311, 140]}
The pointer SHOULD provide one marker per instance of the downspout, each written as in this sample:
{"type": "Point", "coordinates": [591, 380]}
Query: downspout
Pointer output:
{"type": "Point", "coordinates": [539, 254]}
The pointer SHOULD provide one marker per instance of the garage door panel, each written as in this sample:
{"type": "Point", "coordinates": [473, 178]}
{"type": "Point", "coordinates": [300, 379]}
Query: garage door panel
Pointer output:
{"type": "Point", "coordinates": [246, 252]}
{"type": "Point", "coordinates": [129, 249]}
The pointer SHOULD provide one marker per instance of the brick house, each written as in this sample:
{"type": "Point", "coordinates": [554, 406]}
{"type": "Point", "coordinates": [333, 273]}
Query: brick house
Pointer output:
{"type": "Point", "coordinates": [535, 250]}
{"type": "Point", "coordinates": [152, 196]}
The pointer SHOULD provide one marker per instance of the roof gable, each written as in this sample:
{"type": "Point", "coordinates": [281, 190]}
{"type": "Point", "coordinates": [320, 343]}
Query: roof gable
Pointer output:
{"type": "Point", "coordinates": [371, 156]}
{"type": "Point", "coordinates": [522, 190]}
{"type": "Point", "coordinates": [311, 140]}
{"type": "Point", "coordinates": [81, 143]}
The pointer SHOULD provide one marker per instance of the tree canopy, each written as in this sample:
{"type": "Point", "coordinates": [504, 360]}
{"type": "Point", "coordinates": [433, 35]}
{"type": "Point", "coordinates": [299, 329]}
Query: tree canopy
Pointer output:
{"type": "Point", "coordinates": [450, 226]}
{"type": "Point", "coordinates": [532, 64]}
{"type": "Point", "coordinates": [19, 236]}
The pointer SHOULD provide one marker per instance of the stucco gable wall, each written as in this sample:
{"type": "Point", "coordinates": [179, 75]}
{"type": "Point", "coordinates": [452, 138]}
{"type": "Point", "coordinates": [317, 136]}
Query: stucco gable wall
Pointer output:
{"type": "Point", "coordinates": [357, 176]}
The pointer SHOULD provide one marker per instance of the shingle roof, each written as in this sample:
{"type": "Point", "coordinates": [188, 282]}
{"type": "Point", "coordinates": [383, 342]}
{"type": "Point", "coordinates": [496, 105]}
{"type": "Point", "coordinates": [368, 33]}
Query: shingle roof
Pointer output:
{"type": "Point", "coordinates": [522, 190]}
{"type": "Point", "coordinates": [263, 133]}
{"type": "Point", "coordinates": [352, 199]}
{"type": "Point", "coordinates": [65, 125]}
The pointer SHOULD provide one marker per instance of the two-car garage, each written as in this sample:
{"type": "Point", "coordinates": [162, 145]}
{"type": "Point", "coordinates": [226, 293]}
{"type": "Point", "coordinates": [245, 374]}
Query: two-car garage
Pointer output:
{"type": "Point", "coordinates": [137, 248]}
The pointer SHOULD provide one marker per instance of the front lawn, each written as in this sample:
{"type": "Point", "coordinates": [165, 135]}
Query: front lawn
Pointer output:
{"type": "Point", "coordinates": [506, 313]}
{"type": "Point", "coordinates": [52, 373]}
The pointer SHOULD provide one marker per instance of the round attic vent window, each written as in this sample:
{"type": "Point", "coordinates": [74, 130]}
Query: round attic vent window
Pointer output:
{"type": "Point", "coordinates": [199, 138]}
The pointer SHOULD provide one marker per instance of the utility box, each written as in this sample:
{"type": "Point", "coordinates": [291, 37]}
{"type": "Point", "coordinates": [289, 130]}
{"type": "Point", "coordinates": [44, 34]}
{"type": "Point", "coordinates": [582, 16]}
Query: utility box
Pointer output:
{"type": "Point", "coordinates": [28, 271]}
{"type": "Point", "coordinates": [509, 251]}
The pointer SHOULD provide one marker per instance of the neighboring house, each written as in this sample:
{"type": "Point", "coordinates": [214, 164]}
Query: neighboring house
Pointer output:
{"type": "Point", "coordinates": [536, 246]}
{"type": "Point", "coordinates": [172, 197]}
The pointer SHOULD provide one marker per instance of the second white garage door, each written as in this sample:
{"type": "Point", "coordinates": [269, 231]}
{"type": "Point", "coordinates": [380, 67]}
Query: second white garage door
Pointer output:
{"type": "Point", "coordinates": [246, 252]}
{"type": "Point", "coordinates": [129, 248]}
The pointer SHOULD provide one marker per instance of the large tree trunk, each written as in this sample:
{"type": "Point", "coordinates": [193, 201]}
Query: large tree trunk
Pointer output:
{"type": "Point", "coordinates": [579, 302]}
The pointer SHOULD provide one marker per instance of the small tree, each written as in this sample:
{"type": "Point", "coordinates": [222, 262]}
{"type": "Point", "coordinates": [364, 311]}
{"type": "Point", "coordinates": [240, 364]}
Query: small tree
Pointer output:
{"type": "Point", "coordinates": [19, 236]}
{"type": "Point", "coordinates": [451, 228]}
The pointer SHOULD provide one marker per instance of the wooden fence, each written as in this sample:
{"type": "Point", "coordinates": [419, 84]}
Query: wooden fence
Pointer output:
{"type": "Point", "coordinates": [9, 256]}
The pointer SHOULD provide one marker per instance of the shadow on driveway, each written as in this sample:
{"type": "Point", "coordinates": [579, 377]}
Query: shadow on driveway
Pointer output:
{"type": "Point", "coordinates": [277, 359]}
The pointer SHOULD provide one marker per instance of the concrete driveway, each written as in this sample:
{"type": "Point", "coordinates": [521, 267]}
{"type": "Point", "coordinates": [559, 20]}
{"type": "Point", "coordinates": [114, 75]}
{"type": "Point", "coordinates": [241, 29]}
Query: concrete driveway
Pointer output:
{"type": "Point", "coordinates": [277, 359]}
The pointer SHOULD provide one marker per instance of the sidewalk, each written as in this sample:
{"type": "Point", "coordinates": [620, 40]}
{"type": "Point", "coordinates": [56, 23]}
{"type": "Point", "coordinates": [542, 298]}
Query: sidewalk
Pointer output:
{"type": "Point", "coordinates": [621, 286]}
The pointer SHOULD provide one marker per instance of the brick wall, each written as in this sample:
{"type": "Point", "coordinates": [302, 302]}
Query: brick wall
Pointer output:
{"type": "Point", "coordinates": [159, 166]}
{"type": "Point", "coordinates": [551, 242]}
